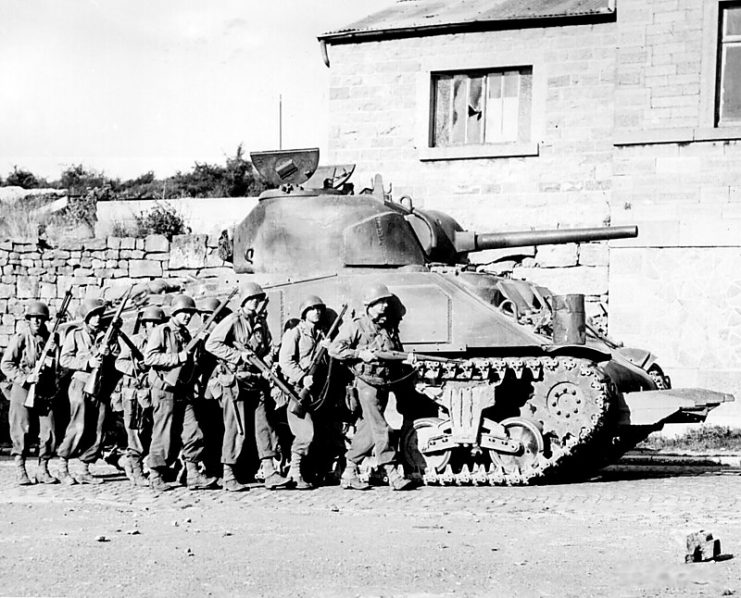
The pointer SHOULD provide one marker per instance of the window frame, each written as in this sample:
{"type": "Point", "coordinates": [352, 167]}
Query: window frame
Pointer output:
{"type": "Point", "coordinates": [483, 63]}
{"type": "Point", "coordinates": [720, 46]}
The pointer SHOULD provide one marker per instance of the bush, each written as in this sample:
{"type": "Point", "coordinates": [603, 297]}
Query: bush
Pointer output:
{"type": "Point", "coordinates": [79, 179]}
{"type": "Point", "coordinates": [704, 438]}
{"type": "Point", "coordinates": [160, 220]}
{"type": "Point", "coordinates": [22, 178]}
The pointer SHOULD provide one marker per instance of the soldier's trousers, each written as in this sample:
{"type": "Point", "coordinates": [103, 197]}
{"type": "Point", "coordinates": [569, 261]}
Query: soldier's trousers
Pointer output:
{"type": "Point", "coordinates": [137, 438]}
{"type": "Point", "coordinates": [372, 430]}
{"type": "Point", "coordinates": [266, 438]}
{"type": "Point", "coordinates": [174, 426]}
{"type": "Point", "coordinates": [329, 440]}
{"type": "Point", "coordinates": [84, 433]}
{"type": "Point", "coordinates": [21, 419]}
{"type": "Point", "coordinates": [302, 429]}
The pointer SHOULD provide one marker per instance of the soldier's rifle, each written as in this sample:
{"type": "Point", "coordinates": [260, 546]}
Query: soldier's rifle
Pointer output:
{"type": "Point", "coordinates": [137, 356]}
{"type": "Point", "coordinates": [137, 360]}
{"type": "Point", "coordinates": [305, 393]}
{"type": "Point", "coordinates": [176, 375]}
{"type": "Point", "coordinates": [408, 357]}
{"type": "Point", "coordinates": [30, 401]}
{"type": "Point", "coordinates": [233, 402]}
{"type": "Point", "coordinates": [92, 386]}
{"type": "Point", "coordinates": [259, 364]}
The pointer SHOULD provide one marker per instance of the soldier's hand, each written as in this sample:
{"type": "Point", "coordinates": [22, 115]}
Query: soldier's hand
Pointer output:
{"type": "Point", "coordinates": [183, 356]}
{"type": "Point", "coordinates": [94, 361]}
{"type": "Point", "coordinates": [308, 382]}
{"type": "Point", "coordinates": [366, 355]}
{"type": "Point", "coordinates": [32, 378]}
{"type": "Point", "coordinates": [49, 362]}
{"type": "Point", "coordinates": [325, 342]}
{"type": "Point", "coordinates": [245, 356]}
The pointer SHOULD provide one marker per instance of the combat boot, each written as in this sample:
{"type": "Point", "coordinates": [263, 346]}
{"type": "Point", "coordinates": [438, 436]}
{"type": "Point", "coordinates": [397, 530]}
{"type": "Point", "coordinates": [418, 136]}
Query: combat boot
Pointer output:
{"type": "Point", "coordinates": [351, 480]}
{"type": "Point", "coordinates": [64, 475]}
{"type": "Point", "coordinates": [230, 483]}
{"type": "Point", "coordinates": [137, 473]}
{"type": "Point", "coordinates": [273, 480]}
{"type": "Point", "coordinates": [295, 475]}
{"type": "Point", "coordinates": [156, 481]}
{"type": "Point", "coordinates": [42, 473]}
{"type": "Point", "coordinates": [21, 475]}
{"type": "Point", "coordinates": [396, 480]}
{"type": "Point", "coordinates": [85, 477]}
{"type": "Point", "coordinates": [197, 480]}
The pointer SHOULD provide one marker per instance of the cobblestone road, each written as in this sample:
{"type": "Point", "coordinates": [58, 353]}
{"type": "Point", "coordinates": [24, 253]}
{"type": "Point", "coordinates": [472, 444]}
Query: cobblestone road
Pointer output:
{"type": "Point", "coordinates": [621, 534]}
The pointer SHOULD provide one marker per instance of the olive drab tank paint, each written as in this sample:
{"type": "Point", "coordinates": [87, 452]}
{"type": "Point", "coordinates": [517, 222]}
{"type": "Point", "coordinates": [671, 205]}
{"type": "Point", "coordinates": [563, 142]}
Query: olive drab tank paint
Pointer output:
{"type": "Point", "coordinates": [513, 406]}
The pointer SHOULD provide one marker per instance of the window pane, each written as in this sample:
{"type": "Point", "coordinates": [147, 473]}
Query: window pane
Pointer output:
{"type": "Point", "coordinates": [525, 114]}
{"type": "Point", "coordinates": [493, 124]}
{"type": "Point", "coordinates": [511, 84]}
{"type": "Point", "coordinates": [732, 20]}
{"type": "Point", "coordinates": [441, 89]}
{"type": "Point", "coordinates": [511, 106]}
{"type": "Point", "coordinates": [475, 133]}
{"type": "Point", "coordinates": [460, 97]}
{"type": "Point", "coordinates": [731, 84]}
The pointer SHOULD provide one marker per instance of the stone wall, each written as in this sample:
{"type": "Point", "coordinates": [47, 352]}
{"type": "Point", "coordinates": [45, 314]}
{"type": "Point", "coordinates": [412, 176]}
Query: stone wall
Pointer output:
{"type": "Point", "coordinates": [96, 267]}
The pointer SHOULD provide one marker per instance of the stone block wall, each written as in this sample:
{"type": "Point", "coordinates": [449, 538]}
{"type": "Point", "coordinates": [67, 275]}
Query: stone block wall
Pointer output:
{"type": "Point", "coordinates": [375, 112]}
{"type": "Point", "coordinates": [96, 267]}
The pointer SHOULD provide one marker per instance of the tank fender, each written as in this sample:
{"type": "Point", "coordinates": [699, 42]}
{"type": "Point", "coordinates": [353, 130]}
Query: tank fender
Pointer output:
{"type": "Point", "coordinates": [640, 357]}
{"type": "Point", "coordinates": [579, 351]}
{"type": "Point", "coordinates": [655, 407]}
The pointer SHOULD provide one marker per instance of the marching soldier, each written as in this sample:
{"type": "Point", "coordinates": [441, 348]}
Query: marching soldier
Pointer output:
{"type": "Point", "coordinates": [239, 386]}
{"type": "Point", "coordinates": [137, 396]}
{"type": "Point", "coordinates": [174, 418]}
{"type": "Point", "coordinates": [82, 353]}
{"type": "Point", "coordinates": [376, 330]}
{"type": "Point", "coordinates": [297, 349]}
{"type": "Point", "coordinates": [18, 364]}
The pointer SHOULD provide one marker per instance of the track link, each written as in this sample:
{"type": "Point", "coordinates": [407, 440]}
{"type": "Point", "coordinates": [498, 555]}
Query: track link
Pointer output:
{"type": "Point", "coordinates": [567, 398]}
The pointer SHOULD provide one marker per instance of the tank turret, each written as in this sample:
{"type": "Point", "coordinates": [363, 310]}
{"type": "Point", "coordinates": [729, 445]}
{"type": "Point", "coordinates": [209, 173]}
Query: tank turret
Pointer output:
{"type": "Point", "coordinates": [513, 399]}
{"type": "Point", "coordinates": [298, 230]}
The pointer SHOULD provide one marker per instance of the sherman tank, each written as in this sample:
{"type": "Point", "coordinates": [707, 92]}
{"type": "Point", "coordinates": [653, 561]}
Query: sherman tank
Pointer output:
{"type": "Point", "coordinates": [522, 388]}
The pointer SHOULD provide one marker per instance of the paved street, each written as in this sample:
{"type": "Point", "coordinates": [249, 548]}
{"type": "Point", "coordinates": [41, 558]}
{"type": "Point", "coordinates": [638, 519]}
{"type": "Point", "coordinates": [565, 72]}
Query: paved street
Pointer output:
{"type": "Point", "coordinates": [621, 534]}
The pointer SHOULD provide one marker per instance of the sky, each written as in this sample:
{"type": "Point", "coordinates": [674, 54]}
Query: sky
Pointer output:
{"type": "Point", "coordinates": [129, 86]}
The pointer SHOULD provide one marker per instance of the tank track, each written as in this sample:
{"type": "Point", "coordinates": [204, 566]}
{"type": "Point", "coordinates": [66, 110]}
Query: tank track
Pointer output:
{"type": "Point", "coordinates": [567, 398]}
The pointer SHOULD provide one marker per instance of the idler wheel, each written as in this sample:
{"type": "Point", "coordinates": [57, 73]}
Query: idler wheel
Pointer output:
{"type": "Point", "coordinates": [415, 441]}
{"type": "Point", "coordinates": [524, 463]}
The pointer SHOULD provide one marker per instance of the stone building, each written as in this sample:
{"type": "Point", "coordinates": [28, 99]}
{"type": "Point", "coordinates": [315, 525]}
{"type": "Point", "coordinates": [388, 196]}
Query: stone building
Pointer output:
{"type": "Point", "coordinates": [520, 114]}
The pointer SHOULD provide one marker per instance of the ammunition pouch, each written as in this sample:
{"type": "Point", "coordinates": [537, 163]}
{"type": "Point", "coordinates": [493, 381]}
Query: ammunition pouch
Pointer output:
{"type": "Point", "coordinates": [376, 374]}
{"type": "Point", "coordinates": [157, 380]}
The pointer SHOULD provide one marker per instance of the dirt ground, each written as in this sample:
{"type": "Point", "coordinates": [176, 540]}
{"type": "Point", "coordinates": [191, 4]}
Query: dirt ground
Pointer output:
{"type": "Point", "coordinates": [621, 534]}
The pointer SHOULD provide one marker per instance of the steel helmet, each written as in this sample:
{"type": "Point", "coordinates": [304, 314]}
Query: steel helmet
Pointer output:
{"type": "Point", "coordinates": [311, 301]}
{"type": "Point", "coordinates": [250, 290]}
{"type": "Point", "coordinates": [375, 293]}
{"type": "Point", "coordinates": [152, 313]}
{"type": "Point", "coordinates": [183, 303]}
{"type": "Point", "coordinates": [38, 309]}
{"type": "Point", "coordinates": [209, 305]}
{"type": "Point", "coordinates": [90, 307]}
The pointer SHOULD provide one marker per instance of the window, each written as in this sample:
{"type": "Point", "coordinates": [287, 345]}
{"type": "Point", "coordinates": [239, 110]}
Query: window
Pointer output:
{"type": "Point", "coordinates": [729, 89]}
{"type": "Point", "coordinates": [481, 107]}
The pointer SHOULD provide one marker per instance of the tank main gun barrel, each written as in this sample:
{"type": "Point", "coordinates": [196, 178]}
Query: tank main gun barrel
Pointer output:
{"type": "Point", "coordinates": [468, 241]}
